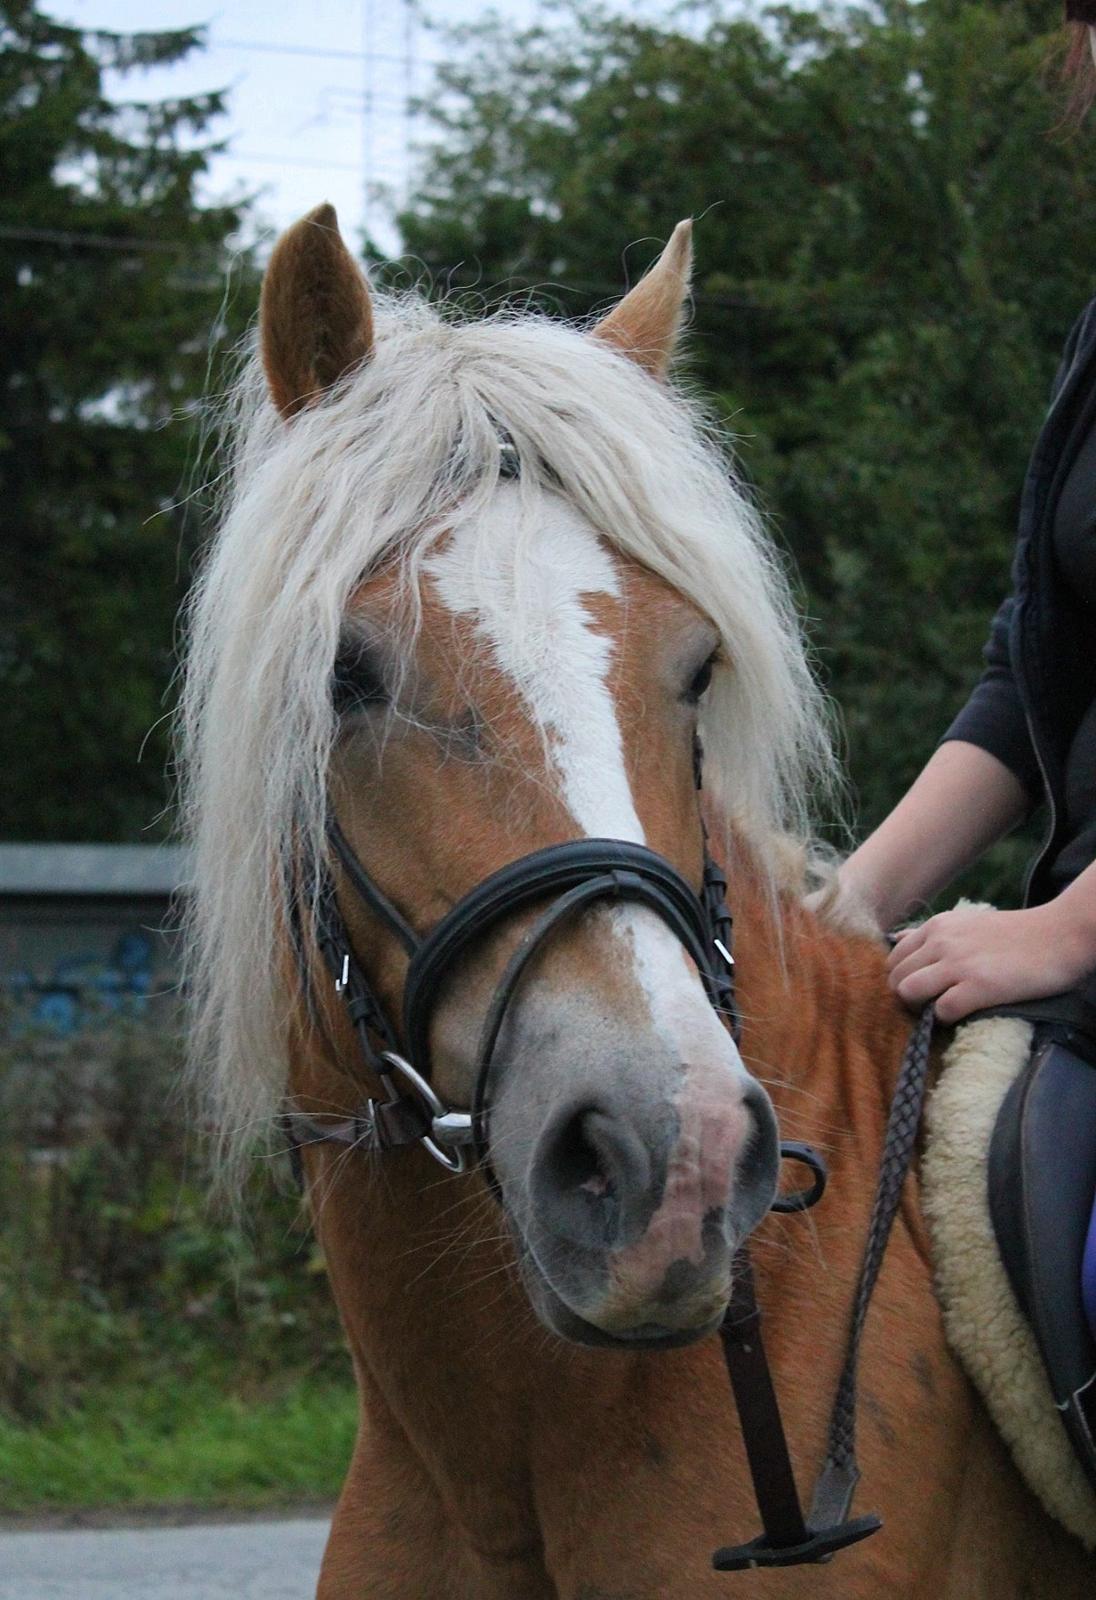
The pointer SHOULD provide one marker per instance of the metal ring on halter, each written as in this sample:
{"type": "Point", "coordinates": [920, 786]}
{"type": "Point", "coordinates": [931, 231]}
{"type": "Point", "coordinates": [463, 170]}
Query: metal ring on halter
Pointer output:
{"type": "Point", "coordinates": [452, 1128]}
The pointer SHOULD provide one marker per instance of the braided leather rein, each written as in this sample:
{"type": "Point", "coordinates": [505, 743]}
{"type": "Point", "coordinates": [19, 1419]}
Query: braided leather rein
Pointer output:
{"type": "Point", "coordinates": [789, 1537]}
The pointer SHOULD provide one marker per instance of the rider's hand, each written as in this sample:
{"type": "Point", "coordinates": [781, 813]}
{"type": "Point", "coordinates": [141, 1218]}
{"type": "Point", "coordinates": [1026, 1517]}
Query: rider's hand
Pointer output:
{"type": "Point", "coordinates": [968, 958]}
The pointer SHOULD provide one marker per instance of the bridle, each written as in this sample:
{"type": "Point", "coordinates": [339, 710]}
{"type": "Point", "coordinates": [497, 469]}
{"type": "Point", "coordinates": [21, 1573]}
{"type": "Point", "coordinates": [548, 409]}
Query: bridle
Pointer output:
{"type": "Point", "coordinates": [571, 877]}
{"type": "Point", "coordinates": [566, 880]}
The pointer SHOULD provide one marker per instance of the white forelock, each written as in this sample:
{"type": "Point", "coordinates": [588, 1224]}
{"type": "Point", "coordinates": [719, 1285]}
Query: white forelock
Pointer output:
{"type": "Point", "coordinates": [389, 461]}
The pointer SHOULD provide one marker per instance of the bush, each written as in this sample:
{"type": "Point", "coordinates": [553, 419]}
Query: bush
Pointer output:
{"type": "Point", "coordinates": [113, 1265]}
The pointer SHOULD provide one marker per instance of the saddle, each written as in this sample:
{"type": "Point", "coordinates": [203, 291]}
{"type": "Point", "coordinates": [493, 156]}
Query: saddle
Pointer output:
{"type": "Point", "coordinates": [1007, 1239]}
{"type": "Point", "coordinates": [1041, 1180]}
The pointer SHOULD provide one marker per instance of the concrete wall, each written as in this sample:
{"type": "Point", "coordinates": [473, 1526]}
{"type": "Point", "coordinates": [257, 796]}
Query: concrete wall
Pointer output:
{"type": "Point", "coordinates": [87, 931]}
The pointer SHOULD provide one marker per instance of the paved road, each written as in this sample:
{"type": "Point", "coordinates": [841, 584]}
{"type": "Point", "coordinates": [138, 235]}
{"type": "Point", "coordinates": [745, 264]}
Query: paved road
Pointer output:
{"type": "Point", "coordinates": [227, 1561]}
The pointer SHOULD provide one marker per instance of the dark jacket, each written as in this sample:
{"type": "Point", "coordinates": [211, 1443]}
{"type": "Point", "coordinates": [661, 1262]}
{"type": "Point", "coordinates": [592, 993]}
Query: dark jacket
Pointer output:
{"type": "Point", "coordinates": [1040, 679]}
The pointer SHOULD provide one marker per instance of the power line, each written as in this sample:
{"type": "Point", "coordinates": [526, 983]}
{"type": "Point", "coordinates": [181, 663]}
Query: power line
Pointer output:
{"type": "Point", "coordinates": [270, 158]}
{"type": "Point", "coordinates": [97, 241]}
{"type": "Point", "coordinates": [269, 47]}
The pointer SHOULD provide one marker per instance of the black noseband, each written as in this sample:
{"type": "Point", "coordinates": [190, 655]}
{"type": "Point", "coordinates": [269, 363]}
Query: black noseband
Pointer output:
{"type": "Point", "coordinates": [570, 877]}
{"type": "Point", "coordinates": [578, 873]}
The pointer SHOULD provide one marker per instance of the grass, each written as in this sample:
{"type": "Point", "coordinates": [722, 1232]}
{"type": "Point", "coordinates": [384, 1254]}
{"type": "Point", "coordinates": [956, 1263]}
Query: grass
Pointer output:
{"type": "Point", "coordinates": [170, 1443]}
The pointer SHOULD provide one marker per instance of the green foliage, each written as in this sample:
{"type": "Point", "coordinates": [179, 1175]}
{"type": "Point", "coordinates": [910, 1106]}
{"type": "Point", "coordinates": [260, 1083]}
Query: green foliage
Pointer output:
{"type": "Point", "coordinates": [893, 244]}
{"type": "Point", "coordinates": [152, 1352]}
{"type": "Point", "coordinates": [114, 1271]}
{"type": "Point", "coordinates": [893, 240]}
{"type": "Point", "coordinates": [112, 282]}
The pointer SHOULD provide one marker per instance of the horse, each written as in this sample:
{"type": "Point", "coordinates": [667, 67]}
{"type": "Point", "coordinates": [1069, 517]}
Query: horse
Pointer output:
{"type": "Point", "coordinates": [481, 589]}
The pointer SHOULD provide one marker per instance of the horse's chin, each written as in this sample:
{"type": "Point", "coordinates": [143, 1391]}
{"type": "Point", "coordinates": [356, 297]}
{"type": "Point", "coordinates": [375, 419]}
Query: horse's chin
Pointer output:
{"type": "Point", "coordinates": [568, 1324]}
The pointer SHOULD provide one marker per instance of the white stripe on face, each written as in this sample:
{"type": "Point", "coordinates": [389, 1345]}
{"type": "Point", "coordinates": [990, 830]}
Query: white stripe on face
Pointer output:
{"type": "Point", "coordinates": [545, 640]}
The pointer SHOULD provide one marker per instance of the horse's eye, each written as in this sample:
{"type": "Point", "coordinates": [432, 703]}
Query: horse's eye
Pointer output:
{"type": "Point", "coordinates": [356, 681]}
{"type": "Point", "coordinates": [702, 679]}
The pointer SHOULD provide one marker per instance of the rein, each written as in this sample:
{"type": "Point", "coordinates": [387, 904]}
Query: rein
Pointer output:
{"type": "Point", "coordinates": [789, 1538]}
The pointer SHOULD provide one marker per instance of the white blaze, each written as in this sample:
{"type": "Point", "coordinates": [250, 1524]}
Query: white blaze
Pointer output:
{"type": "Point", "coordinates": [545, 640]}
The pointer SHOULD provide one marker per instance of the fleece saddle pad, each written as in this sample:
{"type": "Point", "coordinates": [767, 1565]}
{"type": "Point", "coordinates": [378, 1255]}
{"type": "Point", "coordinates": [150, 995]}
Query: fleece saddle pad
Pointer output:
{"type": "Point", "coordinates": [985, 1325]}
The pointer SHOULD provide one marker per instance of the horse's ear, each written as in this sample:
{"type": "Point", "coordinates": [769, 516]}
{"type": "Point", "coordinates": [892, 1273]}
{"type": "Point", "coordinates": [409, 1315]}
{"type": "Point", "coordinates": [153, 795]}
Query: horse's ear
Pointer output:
{"type": "Point", "coordinates": [646, 323]}
{"type": "Point", "coordinates": [315, 317]}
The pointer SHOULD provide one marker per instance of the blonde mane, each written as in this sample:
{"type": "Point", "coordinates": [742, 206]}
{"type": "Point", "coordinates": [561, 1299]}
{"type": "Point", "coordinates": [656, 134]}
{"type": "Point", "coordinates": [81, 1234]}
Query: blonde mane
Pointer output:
{"type": "Point", "coordinates": [398, 450]}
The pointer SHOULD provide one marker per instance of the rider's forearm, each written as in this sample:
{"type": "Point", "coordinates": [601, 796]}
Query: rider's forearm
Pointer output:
{"type": "Point", "coordinates": [963, 800]}
{"type": "Point", "coordinates": [1076, 919]}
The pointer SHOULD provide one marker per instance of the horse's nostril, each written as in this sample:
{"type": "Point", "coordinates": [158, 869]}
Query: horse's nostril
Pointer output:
{"type": "Point", "coordinates": [590, 1171]}
{"type": "Point", "coordinates": [578, 1159]}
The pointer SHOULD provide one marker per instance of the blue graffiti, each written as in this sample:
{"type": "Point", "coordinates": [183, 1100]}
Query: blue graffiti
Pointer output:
{"type": "Point", "coordinates": [83, 989]}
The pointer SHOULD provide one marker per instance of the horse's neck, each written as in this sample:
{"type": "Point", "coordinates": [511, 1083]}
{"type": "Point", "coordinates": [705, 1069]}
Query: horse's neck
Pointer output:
{"type": "Point", "coordinates": [824, 1033]}
{"type": "Point", "coordinates": [821, 1028]}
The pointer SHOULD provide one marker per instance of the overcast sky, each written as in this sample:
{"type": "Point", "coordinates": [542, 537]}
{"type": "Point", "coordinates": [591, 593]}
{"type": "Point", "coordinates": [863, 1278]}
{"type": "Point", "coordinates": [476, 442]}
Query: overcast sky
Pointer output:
{"type": "Point", "coordinates": [305, 125]}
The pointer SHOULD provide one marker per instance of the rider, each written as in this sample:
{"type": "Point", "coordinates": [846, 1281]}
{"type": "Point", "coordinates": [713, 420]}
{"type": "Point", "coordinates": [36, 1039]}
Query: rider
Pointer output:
{"type": "Point", "coordinates": [1027, 735]}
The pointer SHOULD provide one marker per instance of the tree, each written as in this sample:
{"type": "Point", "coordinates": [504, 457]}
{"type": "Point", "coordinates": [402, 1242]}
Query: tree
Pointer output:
{"type": "Point", "coordinates": [894, 242]}
{"type": "Point", "coordinates": [112, 276]}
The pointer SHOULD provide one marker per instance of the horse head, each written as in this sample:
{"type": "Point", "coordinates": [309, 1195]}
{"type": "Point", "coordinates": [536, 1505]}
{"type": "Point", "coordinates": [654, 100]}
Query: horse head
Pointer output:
{"type": "Point", "coordinates": [499, 592]}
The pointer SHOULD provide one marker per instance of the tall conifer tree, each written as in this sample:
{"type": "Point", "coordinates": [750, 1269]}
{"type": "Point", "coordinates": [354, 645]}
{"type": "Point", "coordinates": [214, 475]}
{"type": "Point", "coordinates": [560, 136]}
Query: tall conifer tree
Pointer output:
{"type": "Point", "coordinates": [112, 276]}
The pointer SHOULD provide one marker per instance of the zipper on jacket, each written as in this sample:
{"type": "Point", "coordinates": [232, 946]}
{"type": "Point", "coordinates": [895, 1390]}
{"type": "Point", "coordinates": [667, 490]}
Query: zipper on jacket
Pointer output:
{"type": "Point", "coordinates": [1052, 823]}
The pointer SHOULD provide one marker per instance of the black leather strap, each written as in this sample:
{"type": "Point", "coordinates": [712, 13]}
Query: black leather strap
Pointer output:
{"type": "Point", "coordinates": [363, 1007]}
{"type": "Point", "coordinates": [367, 890]}
{"type": "Point", "coordinates": [759, 1412]}
{"type": "Point", "coordinates": [788, 1538]}
{"type": "Point", "coordinates": [622, 869]}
